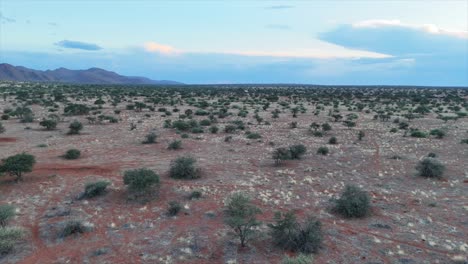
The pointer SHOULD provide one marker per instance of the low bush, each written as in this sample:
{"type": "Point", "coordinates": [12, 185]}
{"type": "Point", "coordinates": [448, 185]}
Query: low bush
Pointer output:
{"type": "Point", "coordinates": [175, 144]}
{"type": "Point", "coordinates": [174, 208]}
{"type": "Point", "coordinates": [150, 138]}
{"type": "Point", "coordinates": [353, 203]}
{"type": "Point", "coordinates": [195, 195]}
{"type": "Point", "coordinates": [93, 189]}
{"type": "Point", "coordinates": [253, 136]}
{"type": "Point", "coordinates": [322, 150]}
{"type": "Point", "coordinates": [48, 124]}
{"type": "Point", "coordinates": [72, 154]}
{"type": "Point", "coordinates": [184, 168]}
{"type": "Point", "coordinates": [9, 236]}
{"type": "Point", "coordinates": [7, 212]}
{"type": "Point", "coordinates": [297, 151]}
{"type": "Point", "coordinates": [299, 259]}
{"type": "Point", "coordinates": [430, 168]}
{"type": "Point", "coordinates": [332, 140]}
{"type": "Point", "coordinates": [140, 180]}
{"type": "Point", "coordinates": [289, 234]}
{"type": "Point", "coordinates": [281, 154]}
{"type": "Point", "coordinates": [73, 227]}
{"type": "Point", "coordinates": [75, 127]}
{"type": "Point", "coordinates": [418, 134]}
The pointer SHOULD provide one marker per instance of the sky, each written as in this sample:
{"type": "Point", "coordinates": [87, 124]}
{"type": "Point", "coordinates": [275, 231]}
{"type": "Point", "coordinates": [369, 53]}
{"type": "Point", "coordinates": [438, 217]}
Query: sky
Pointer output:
{"type": "Point", "coordinates": [409, 42]}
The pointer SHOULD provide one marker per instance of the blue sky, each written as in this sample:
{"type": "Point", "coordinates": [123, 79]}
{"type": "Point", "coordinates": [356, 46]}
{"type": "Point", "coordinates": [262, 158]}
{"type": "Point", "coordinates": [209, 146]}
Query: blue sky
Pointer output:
{"type": "Point", "coordinates": [316, 42]}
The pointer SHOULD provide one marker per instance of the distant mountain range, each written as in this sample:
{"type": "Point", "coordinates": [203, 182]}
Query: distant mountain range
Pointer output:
{"type": "Point", "coordinates": [9, 72]}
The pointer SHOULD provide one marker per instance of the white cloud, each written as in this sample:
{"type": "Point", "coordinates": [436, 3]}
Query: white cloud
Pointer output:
{"type": "Point", "coordinates": [428, 28]}
{"type": "Point", "coordinates": [160, 48]}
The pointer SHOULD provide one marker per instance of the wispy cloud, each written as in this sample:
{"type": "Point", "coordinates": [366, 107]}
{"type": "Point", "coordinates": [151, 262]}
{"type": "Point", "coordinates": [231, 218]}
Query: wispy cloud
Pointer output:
{"type": "Point", "coordinates": [71, 44]}
{"type": "Point", "coordinates": [160, 48]}
{"type": "Point", "coordinates": [279, 7]}
{"type": "Point", "coordinates": [428, 28]}
{"type": "Point", "coordinates": [53, 24]}
{"type": "Point", "coordinates": [5, 19]}
{"type": "Point", "coordinates": [278, 26]}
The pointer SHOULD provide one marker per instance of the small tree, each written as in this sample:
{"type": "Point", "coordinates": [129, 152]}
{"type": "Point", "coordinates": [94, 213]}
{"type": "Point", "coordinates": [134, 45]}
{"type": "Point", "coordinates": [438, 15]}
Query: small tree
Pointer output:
{"type": "Point", "coordinates": [48, 124]}
{"type": "Point", "coordinates": [184, 168]}
{"type": "Point", "coordinates": [75, 127]}
{"type": "Point", "coordinates": [18, 164]}
{"type": "Point", "coordinates": [240, 215]}
{"type": "Point", "coordinates": [281, 154]}
{"type": "Point", "coordinates": [430, 168]}
{"type": "Point", "coordinates": [353, 203]}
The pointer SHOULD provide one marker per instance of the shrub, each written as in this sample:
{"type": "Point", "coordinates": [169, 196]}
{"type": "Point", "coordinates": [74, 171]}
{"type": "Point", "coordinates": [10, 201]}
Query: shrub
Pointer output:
{"type": "Point", "coordinates": [432, 155]}
{"type": "Point", "coordinates": [205, 122]}
{"type": "Point", "coordinates": [227, 138]}
{"type": "Point", "coordinates": [317, 134]}
{"type": "Point", "coordinates": [181, 125]}
{"type": "Point", "coordinates": [150, 138]}
{"type": "Point", "coordinates": [72, 154]}
{"type": "Point", "coordinates": [197, 130]}
{"type": "Point", "coordinates": [322, 150]}
{"type": "Point", "coordinates": [174, 208]}
{"type": "Point", "coordinates": [430, 168]}
{"type": "Point", "coordinates": [76, 109]}
{"type": "Point", "coordinates": [353, 203]}
{"type": "Point", "coordinates": [175, 144]}
{"type": "Point", "coordinates": [332, 140]}
{"type": "Point", "coordinates": [326, 127]}
{"type": "Point", "coordinates": [296, 151]}
{"type": "Point", "coordinates": [289, 234]}
{"type": "Point", "coordinates": [253, 136]}
{"type": "Point", "coordinates": [361, 134]}
{"type": "Point", "coordinates": [299, 259]}
{"type": "Point", "coordinates": [240, 215]}
{"type": "Point", "coordinates": [93, 189]}
{"type": "Point", "coordinates": [464, 141]}
{"type": "Point", "coordinates": [438, 133]}
{"type": "Point", "coordinates": [281, 154]}
{"type": "Point", "coordinates": [73, 227]}
{"type": "Point", "coordinates": [393, 130]}
{"type": "Point", "coordinates": [7, 212]}
{"type": "Point", "coordinates": [140, 180]}
{"type": "Point", "coordinates": [49, 124]}
{"type": "Point", "coordinates": [184, 168]}
{"type": "Point", "coordinates": [18, 164]}
{"type": "Point", "coordinates": [214, 129]}
{"type": "Point", "coordinates": [75, 127]}
{"type": "Point", "coordinates": [2, 128]}
{"type": "Point", "coordinates": [9, 236]}
{"type": "Point", "coordinates": [195, 195]}
{"type": "Point", "coordinates": [230, 128]}
{"type": "Point", "coordinates": [5, 116]}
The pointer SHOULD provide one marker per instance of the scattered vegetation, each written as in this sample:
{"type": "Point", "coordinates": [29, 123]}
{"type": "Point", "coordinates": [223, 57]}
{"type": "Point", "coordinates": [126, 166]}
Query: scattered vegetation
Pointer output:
{"type": "Point", "coordinates": [184, 168]}
{"type": "Point", "coordinates": [353, 203]}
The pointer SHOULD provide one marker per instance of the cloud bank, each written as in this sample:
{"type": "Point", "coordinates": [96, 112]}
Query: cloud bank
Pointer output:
{"type": "Point", "coordinates": [71, 44]}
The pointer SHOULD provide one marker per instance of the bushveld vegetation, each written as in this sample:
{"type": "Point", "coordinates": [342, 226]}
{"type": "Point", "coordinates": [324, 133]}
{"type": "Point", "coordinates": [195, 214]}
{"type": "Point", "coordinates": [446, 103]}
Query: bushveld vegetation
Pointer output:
{"type": "Point", "coordinates": [220, 125]}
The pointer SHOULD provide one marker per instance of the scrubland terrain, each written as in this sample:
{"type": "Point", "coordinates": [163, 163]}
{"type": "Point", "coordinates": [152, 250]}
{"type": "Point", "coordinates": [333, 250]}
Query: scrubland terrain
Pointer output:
{"type": "Point", "coordinates": [410, 219]}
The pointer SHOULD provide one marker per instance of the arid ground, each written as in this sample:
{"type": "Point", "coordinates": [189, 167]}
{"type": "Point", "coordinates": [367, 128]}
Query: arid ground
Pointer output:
{"type": "Point", "coordinates": [413, 219]}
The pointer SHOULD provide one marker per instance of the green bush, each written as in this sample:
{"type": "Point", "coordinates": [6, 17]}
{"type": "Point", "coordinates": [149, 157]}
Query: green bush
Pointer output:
{"type": "Point", "coordinates": [281, 154]}
{"type": "Point", "coordinates": [332, 140]}
{"type": "Point", "coordinates": [73, 227]}
{"type": "Point", "coordinates": [253, 136]}
{"type": "Point", "coordinates": [2, 128]}
{"type": "Point", "coordinates": [299, 259]}
{"type": "Point", "coordinates": [289, 234]}
{"type": "Point", "coordinates": [18, 164]}
{"type": "Point", "coordinates": [195, 195]}
{"type": "Point", "coordinates": [150, 138]}
{"type": "Point", "coordinates": [438, 133]}
{"type": "Point", "coordinates": [75, 127]}
{"type": "Point", "coordinates": [430, 168]}
{"type": "Point", "coordinates": [72, 154]}
{"type": "Point", "coordinates": [214, 129]}
{"type": "Point", "coordinates": [418, 134]}
{"type": "Point", "coordinates": [205, 122]}
{"type": "Point", "coordinates": [353, 203]}
{"type": "Point", "coordinates": [175, 144]}
{"type": "Point", "coordinates": [9, 236]}
{"type": "Point", "coordinates": [181, 125]}
{"type": "Point", "coordinates": [49, 124]}
{"type": "Point", "coordinates": [7, 212]}
{"type": "Point", "coordinates": [361, 134]}
{"type": "Point", "coordinates": [174, 208]}
{"type": "Point", "coordinates": [197, 130]}
{"type": "Point", "coordinates": [296, 151]}
{"type": "Point", "coordinates": [322, 150]}
{"type": "Point", "coordinates": [184, 168]}
{"type": "Point", "coordinates": [141, 180]}
{"type": "Point", "coordinates": [464, 141]}
{"type": "Point", "coordinates": [93, 189]}
{"type": "Point", "coordinates": [230, 128]}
